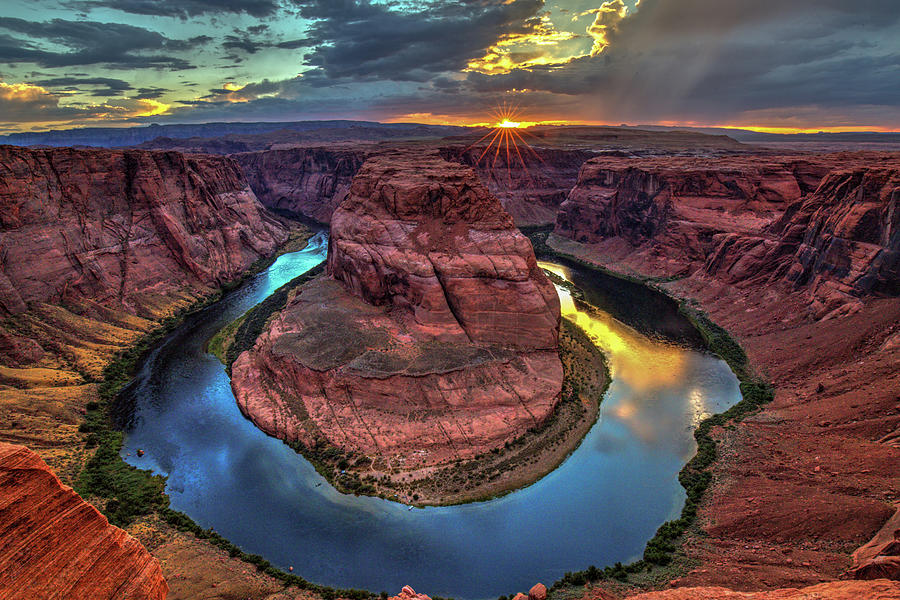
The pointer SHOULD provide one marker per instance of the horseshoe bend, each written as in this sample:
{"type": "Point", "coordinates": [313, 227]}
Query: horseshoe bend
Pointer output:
{"type": "Point", "coordinates": [503, 356]}
{"type": "Point", "coordinates": [431, 338]}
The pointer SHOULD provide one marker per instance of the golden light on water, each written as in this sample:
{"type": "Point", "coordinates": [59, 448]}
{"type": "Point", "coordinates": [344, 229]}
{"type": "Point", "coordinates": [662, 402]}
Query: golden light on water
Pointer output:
{"type": "Point", "coordinates": [640, 362]}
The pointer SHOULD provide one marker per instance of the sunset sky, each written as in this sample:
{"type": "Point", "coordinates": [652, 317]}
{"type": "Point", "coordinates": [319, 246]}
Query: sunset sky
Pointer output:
{"type": "Point", "coordinates": [804, 64]}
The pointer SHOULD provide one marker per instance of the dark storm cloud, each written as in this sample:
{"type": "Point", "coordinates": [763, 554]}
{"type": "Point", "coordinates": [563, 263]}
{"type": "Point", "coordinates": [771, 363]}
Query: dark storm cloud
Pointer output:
{"type": "Point", "coordinates": [105, 86]}
{"type": "Point", "coordinates": [149, 93]}
{"type": "Point", "coordinates": [116, 45]}
{"type": "Point", "coordinates": [710, 60]}
{"type": "Point", "coordinates": [183, 9]}
{"type": "Point", "coordinates": [359, 39]}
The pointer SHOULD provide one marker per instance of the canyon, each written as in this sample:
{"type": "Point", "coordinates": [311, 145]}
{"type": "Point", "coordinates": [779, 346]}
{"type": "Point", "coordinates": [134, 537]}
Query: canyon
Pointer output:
{"type": "Point", "coordinates": [804, 274]}
{"type": "Point", "coordinates": [797, 255]}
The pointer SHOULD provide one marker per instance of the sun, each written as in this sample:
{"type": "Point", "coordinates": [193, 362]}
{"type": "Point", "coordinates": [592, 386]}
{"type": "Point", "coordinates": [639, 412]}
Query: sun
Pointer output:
{"type": "Point", "coordinates": [504, 139]}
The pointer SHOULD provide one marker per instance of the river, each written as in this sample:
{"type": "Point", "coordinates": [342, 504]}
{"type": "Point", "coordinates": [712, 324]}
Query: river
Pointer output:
{"type": "Point", "coordinates": [599, 507]}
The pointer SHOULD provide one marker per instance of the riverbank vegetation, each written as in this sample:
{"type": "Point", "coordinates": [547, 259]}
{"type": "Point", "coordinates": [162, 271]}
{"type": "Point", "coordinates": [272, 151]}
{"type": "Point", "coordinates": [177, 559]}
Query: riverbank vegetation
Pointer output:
{"type": "Point", "coordinates": [125, 493]}
{"type": "Point", "coordinates": [663, 558]}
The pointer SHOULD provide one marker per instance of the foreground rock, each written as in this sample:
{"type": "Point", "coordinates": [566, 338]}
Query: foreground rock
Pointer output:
{"type": "Point", "coordinates": [837, 590]}
{"type": "Point", "coordinates": [129, 228]}
{"type": "Point", "coordinates": [434, 339]}
{"type": "Point", "coordinates": [54, 545]}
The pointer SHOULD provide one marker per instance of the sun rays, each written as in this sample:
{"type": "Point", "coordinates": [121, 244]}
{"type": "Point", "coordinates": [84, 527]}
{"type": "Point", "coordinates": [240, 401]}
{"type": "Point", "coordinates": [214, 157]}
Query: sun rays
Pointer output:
{"type": "Point", "coordinates": [505, 139]}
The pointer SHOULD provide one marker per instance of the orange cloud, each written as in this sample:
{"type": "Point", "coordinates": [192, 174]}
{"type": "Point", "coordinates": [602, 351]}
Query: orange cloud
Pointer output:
{"type": "Point", "coordinates": [606, 18]}
{"type": "Point", "coordinates": [523, 50]}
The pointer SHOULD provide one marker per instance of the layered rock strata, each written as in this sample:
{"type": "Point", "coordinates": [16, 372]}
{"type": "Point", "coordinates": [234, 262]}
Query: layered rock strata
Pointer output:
{"type": "Point", "coordinates": [56, 546]}
{"type": "Point", "coordinates": [666, 210]}
{"type": "Point", "coordinates": [434, 338]}
{"type": "Point", "coordinates": [119, 226]}
{"type": "Point", "coordinates": [307, 181]}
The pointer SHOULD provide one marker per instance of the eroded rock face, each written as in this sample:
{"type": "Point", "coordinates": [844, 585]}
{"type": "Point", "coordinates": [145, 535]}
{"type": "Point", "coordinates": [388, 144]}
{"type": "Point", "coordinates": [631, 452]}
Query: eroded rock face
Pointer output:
{"type": "Point", "coordinates": [119, 226]}
{"type": "Point", "coordinates": [672, 207]}
{"type": "Point", "coordinates": [56, 546]}
{"type": "Point", "coordinates": [426, 235]}
{"type": "Point", "coordinates": [435, 337]}
{"type": "Point", "coordinates": [308, 181]}
{"type": "Point", "coordinates": [841, 242]}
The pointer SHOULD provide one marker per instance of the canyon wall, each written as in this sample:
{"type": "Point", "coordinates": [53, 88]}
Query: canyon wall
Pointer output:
{"type": "Point", "coordinates": [806, 279]}
{"type": "Point", "coordinates": [123, 227]}
{"type": "Point", "coordinates": [434, 338]}
{"type": "Point", "coordinates": [841, 242]}
{"type": "Point", "coordinates": [531, 183]}
{"type": "Point", "coordinates": [308, 181]}
{"type": "Point", "coordinates": [827, 224]}
{"type": "Point", "coordinates": [666, 210]}
{"type": "Point", "coordinates": [56, 546]}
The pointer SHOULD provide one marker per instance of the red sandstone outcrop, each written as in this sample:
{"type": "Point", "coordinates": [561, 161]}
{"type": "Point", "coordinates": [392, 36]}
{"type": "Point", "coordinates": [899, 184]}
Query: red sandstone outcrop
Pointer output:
{"type": "Point", "coordinates": [880, 557]}
{"type": "Point", "coordinates": [407, 593]}
{"type": "Point", "coordinates": [309, 181]}
{"type": "Point", "coordinates": [56, 546]}
{"type": "Point", "coordinates": [123, 226]}
{"type": "Point", "coordinates": [426, 235]}
{"type": "Point", "coordinates": [436, 337]}
{"type": "Point", "coordinates": [537, 592]}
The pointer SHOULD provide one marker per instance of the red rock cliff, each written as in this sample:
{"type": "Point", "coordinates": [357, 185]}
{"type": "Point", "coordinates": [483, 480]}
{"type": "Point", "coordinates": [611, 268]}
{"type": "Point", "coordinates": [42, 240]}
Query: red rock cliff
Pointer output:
{"type": "Point", "coordinates": [309, 181]}
{"type": "Point", "coordinates": [841, 242]}
{"type": "Point", "coordinates": [56, 546]}
{"type": "Point", "coordinates": [117, 226]}
{"type": "Point", "coordinates": [668, 209]}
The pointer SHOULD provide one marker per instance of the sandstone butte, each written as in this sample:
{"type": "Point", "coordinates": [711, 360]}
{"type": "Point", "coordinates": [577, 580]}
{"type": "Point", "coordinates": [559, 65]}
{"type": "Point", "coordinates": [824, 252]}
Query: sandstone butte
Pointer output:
{"type": "Point", "coordinates": [799, 258]}
{"type": "Point", "coordinates": [434, 336]}
{"type": "Point", "coordinates": [56, 546]}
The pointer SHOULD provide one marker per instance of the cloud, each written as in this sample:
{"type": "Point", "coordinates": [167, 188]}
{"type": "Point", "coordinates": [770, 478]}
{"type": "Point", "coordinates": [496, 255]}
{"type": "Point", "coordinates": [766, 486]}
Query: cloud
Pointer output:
{"type": "Point", "coordinates": [606, 18]}
{"type": "Point", "coordinates": [106, 86]}
{"type": "Point", "coordinates": [183, 9]}
{"type": "Point", "coordinates": [27, 103]}
{"type": "Point", "coordinates": [115, 45]}
{"type": "Point", "coordinates": [364, 40]}
{"type": "Point", "coordinates": [717, 62]}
